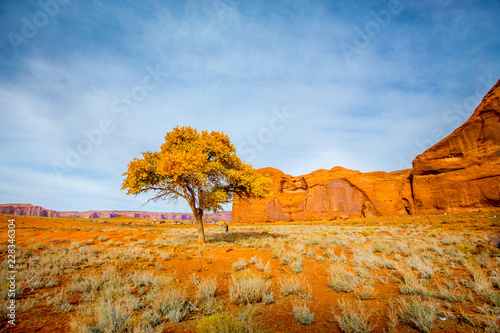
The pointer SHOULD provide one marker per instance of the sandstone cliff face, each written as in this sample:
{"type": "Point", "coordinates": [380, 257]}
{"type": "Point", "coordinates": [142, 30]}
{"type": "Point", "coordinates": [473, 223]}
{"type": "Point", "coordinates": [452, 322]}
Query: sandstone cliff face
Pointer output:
{"type": "Point", "coordinates": [27, 210]}
{"type": "Point", "coordinates": [328, 194]}
{"type": "Point", "coordinates": [30, 210]}
{"type": "Point", "coordinates": [461, 173]}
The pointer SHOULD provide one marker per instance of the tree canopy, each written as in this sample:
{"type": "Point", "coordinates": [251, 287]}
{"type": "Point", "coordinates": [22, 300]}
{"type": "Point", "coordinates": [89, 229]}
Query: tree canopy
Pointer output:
{"type": "Point", "coordinates": [202, 168]}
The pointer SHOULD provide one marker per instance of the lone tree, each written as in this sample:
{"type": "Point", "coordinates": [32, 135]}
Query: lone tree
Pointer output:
{"type": "Point", "coordinates": [200, 167]}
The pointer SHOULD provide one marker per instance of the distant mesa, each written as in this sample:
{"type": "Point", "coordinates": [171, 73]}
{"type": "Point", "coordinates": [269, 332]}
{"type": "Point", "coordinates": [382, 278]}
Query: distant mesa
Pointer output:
{"type": "Point", "coordinates": [31, 210]}
{"type": "Point", "coordinates": [459, 174]}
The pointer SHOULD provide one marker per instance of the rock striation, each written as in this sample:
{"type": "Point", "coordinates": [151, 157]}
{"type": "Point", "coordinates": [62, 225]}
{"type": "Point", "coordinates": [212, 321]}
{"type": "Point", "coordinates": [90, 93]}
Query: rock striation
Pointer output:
{"type": "Point", "coordinates": [30, 210]}
{"type": "Point", "coordinates": [329, 194]}
{"type": "Point", "coordinates": [27, 210]}
{"type": "Point", "coordinates": [461, 173]}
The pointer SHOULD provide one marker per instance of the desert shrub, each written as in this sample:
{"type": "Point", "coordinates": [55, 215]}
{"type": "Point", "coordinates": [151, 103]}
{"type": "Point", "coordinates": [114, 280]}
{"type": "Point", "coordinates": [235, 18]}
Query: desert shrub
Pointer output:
{"type": "Point", "coordinates": [263, 268]}
{"type": "Point", "coordinates": [364, 292]}
{"type": "Point", "coordinates": [449, 293]}
{"type": "Point", "coordinates": [205, 294]}
{"type": "Point", "coordinates": [239, 265]}
{"type": "Point", "coordinates": [60, 300]}
{"type": "Point", "coordinates": [247, 289]}
{"type": "Point", "coordinates": [290, 286]}
{"type": "Point", "coordinates": [483, 260]}
{"type": "Point", "coordinates": [296, 265]}
{"type": "Point", "coordinates": [494, 298]}
{"type": "Point", "coordinates": [108, 316]}
{"type": "Point", "coordinates": [302, 313]}
{"type": "Point", "coordinates": [285, 259]}
{"type": "Point", "coordinates": [334, 258]}
{"type": "Point", "coordinates": [495, 278]}
{"type": "Point", "coordinates": [164, 255]}
{"type": "Point", "coordinates": [225, 322]}
{"type": "Point", "coordinates": [354, 317]}
{"type": "Point", "coordinates": [142, 279]}
{"type": "Point", "coordinates": [366, 258]}
{"type": "Point", "coordinates": [480, 278]}
{"type": "Point", "coordinates": [418, 313]}
{"type": "Point", "coordinates": [40, 246]}
{"type": "Point", "coordinates": [268, 298]}
{"type": "Point", "coordinates": [387, 263]}
{"type": "Point", "coordinates": [299, 249]}
{"type": "Point", "coordinates": [341, 280]}
{"type": "Point", "coordinates": [412, 284]}
{"type": "Point", "coordinates": [254, 261]}
{"type": "Point", "coordinates": [465, 248]}
{"type": "Point", "coordinates": [366, 233]}
{"type": "Point", "coordinates": [378, 247]}
{"type": "Point", "coordinates": [451, 239]}
{"type": "Point", "coordinates": [171, 303]}
{"type": "Point", "coordinates": [425, 269]}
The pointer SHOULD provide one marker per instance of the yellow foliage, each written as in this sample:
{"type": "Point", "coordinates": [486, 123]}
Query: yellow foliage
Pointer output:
{"type": "Point", "coordinates": [202, 168]}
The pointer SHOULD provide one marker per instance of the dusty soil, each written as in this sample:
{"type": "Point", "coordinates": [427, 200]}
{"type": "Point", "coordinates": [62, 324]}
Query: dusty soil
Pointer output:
{"type": "Point", "coordinates": [457, 251]}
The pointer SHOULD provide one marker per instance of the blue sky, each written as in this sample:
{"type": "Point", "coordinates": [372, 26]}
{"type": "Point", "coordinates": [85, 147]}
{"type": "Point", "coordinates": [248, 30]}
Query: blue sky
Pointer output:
{"type": "Point", "coordinates": [86, 86]}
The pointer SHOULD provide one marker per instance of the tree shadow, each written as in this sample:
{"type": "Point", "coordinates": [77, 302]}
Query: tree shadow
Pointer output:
{"type": "Point", "coordinates": [239, 236]}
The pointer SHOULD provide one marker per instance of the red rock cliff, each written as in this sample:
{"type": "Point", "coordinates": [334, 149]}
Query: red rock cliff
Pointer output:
{"type": "Point", "coordinates": [461, 173]}
{"type": "Point", "coordinates": [329, 194]}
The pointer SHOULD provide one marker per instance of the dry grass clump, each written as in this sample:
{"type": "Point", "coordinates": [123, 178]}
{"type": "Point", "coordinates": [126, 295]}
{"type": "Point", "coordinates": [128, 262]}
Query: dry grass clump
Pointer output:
{"type": "Point", "coordinates": [296, 265]}
{"type": "Point", "coordinates": [170, 303]}
{"type": "Point", "coordinates": [425, 270]}
{"type": "Point", "coordinates": [302, 313]}
{"type": "Point", "coordinates": [417, 312]}
{"type": "Point", "coordinates": [480, 278]}
{"type": "Point", "coordinates": [290, 286]}
{"type": "Point", "coordinates": [412, 284]}
{"type": "Point", "coordinates": [354, 317]}
{"type": "Point", "coordinates": [364, 292]}
{"type": "Point", "coordinates": [205, 293]}
{"type": "Point", "coordinates": [60, 300]}
{"type": "Point", "coordinates": [495, 278]}
{"type": "Point", "coordinates": [239, 265]}
{"type": "Point", "coordinates": [107, 316]}
{"type": "Point", "coordinates": [339, 279]}
{"type": "Point", "coordinates": [226, 322]}
{"type": "Point", "coordinates": [246, 289]}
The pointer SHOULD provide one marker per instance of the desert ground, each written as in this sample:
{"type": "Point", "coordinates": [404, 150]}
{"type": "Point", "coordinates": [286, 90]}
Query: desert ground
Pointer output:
{"type": "Point", "coordinates": [408, 274]}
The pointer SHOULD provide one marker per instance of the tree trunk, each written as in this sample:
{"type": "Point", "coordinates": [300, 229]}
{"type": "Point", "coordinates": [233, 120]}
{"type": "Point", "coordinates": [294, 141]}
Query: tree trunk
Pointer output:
{"type": "Point", "coordinates": [198, 214]}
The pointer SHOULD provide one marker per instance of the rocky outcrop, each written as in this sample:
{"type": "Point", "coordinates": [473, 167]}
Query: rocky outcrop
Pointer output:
{"type": "Point", "coordinates": [328, 194]}
{"type": "Point", "coordinates": [30, 210]}
{"type": "Point", "coordinates": [461, 173]}
{"type": "Point", "coordinates": [27, 210]}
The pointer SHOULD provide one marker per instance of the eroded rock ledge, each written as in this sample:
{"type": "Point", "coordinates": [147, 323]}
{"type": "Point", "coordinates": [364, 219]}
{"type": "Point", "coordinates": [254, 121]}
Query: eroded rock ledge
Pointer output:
{"type": "Point", "coordinates": [461, 173]}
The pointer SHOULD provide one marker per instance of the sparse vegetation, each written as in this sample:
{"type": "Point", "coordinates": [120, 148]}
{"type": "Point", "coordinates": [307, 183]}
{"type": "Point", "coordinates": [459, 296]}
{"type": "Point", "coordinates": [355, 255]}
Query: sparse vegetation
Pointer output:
{"type": "Point", "coordinates": [340, 279]}
{"type": "Point", "coordinates": [418, 313]}
{"type": "Point", "coordinates": [354, 317]}
{"type": "Point", "coordinates": [130, 279]}
{"type": "Point", "coordinates": [303, 314]}
{"type": "Point", "coordinates": [247, 289]}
